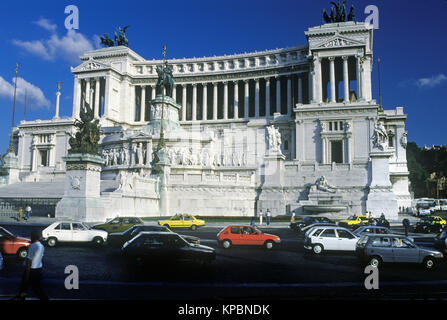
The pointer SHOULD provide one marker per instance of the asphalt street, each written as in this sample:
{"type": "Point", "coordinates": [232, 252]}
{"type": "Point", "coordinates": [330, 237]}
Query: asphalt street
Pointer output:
{"type": "Point", "coordinates": [286, 272]}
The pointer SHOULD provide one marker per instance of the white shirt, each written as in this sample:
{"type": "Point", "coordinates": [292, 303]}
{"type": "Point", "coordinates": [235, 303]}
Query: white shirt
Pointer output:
{"type": "Point", "coordinates": [35, 254]}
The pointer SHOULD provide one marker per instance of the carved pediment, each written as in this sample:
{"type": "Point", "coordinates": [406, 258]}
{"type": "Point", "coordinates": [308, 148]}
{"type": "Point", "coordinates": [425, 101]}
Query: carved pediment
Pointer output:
{"type": "Point", "coordinates": [90, 65]}
{"type": "Point", "coordinates": [338, 42]}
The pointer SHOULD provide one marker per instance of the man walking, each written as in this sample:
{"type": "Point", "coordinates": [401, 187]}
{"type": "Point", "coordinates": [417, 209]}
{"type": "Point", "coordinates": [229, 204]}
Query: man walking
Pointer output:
{"type": "Point", "coordinates": [268, 216]}
{"type": "Point", "coordinates": [33, 269]}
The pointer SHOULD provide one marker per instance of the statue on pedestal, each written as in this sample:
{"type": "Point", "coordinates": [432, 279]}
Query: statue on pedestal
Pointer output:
{"type": "Point", "coordinates": [165, 79]}
{"type": "Point", "coordinates": [322, 185]}
{"type": "Point", "coordinates": [380, 137]}
{"type": "Point", "coordinates": [87, 138]}
{"type": "Point", "coordinates": [274, 138]}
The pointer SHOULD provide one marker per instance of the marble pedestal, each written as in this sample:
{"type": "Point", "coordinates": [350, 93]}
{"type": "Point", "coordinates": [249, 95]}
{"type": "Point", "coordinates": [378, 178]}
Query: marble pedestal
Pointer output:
{"type": "Point", "coordinates": [9, 171]}
{"type": "Point", "coordinates": [381, 198]}
{"type": "Point", "coordinates": [81, 200]}
{"type": "Point", "coordinates": [272, 183]}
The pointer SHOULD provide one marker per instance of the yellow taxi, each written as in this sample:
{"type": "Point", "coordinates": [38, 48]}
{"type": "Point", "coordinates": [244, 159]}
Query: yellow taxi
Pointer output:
{"type": "Point", "coordinates": [182, 221]}
{"type": "Point", "coordinates": [434, 220]}
{"type": "Point", "coordinates": [354, 222]}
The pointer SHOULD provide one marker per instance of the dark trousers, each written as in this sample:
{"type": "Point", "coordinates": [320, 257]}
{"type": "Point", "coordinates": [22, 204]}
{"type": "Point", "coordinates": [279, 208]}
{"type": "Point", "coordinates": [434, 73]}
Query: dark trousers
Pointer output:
{"type": "Point", "coordinates": [35, 277]}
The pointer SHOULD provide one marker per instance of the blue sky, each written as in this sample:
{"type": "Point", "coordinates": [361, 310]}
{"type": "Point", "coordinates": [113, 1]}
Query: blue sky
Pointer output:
{"type": "Point", "coordinates": [411, 43]}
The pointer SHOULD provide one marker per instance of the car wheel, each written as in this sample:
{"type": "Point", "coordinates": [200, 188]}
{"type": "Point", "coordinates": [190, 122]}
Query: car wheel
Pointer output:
{"type": "Point", "coordinates": [269, 245]}
{"type": "Point", "coordinates": [52, 242]}
{"type": "Point", "coordinates": [193, 227]}
{"type": "Point", "coordinates": [429, 263]}
{"type": "Point", "coordinates": [375, 262]}
{"type": "Point", "coordinates": [22, 253]}
{"type": "Point", "coordinates": [226, 244]}
{"type": "Point", "coordinates": [317, 249]}
{"type": "Point", "coordinates": [98, 241]}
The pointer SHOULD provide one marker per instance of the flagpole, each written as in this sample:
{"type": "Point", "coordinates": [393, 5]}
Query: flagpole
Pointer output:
{"type": "Point", "coordinates": [380, 89]}
{"type": "Point", "coordinates": [11, 147]}
{"type": "Point", "coordinates": [162, 135]}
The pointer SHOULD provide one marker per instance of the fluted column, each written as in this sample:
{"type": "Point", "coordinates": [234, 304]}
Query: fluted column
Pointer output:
{"type": "Point", "coordinates": [153, 92]}
{"type": "Point", "coordinates": [267, 97]}
{"type": "Point", "coordinates": [214, 100]}
{"type": "Point", "coordinates": [300, 89]}
{"type": "Point", "coordinates": [225, 101]}
{"type": "Point", "coordinates": [194, 102]}
{"type": "Point", "coordinates": [184, 102]}
{"type": "Point", "coordinates": [278, 94]}
{"type": "Point", "coordinates": [332, 78]}
{"type": "Point", "coordinates": [106, 96]}
{"type": "Point", "coordinates": [257, 98]}
{"type": "Point", "coordinates": [236, 99]}
{"type": "Point", "coordinates": [246, 98]}
{"type": "Point", "coordinates": [143, 104]}
{"type": "Point", "coordinates": [289, 95]}
{"type": "Point", "coordinates": [345, 78]}
{"type": "Point", "coordinates": [359, 79]}
{"type": "Point", "coordinates": [174, 93]}
{"type": "Point", "coordinates": [87, 91]}
{"type": "Point", "coordinates": [97, 95]}
{"type": "Point", "coordinates": [204, 101]}
{"type": "Point", "coordinates": [77, 97]}
{"type": "Point", "coordinates": [318, 85]}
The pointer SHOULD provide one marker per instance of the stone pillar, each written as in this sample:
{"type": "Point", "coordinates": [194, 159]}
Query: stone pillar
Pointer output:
{"type": "Point", "coordinates": [76, 97]}
{"type": "Point", "coordinates": [236, 99]}
{"type": "Point", "coordinates": [246, 98]}
{"type": "Point", "coordinates": [359, 78]}
{"type": "Point", "coordinates": [149, 153]}
{"type": "Point", "coordinates": [174, 93]}
{"type": "Point", "coordinates": [106, 96]}
{"type": "Point", "coordinates": [183, 102]}
{"type": "Point", "coordinates": [82, 200]}
{"type": "Point", "coordinates": [332, 78]}
{"type": "Point", "coordinates": [318, 85]}
{"type": "Point", "coordinates": [204, 101]}
{"type": "Point", "coordinates": [58, 97]}
{"type": "Point", "coordinates": [257, 98]}
{"type": "Point", "coordinates": [165, 170]}
{"type": "Point", "coordinates": [278, 95]}
{"type": "Point", "coordinates": [225, 101]}
{"type": "Point", "coordinates": [97, 100]}
{"type": "Point", "coordinates": [300, 90]}
{"type": "Point", "coordinates": [289, 95]}
{"type": "Point", "coordinates": [214, 100]}
{"type": "Point", "coordinates": [345, 78]}
{"type": "Point", "coordinates": [143, 104]}
{"type": "Point", "coordinates": [267, 97]}
{"type": "Point", "coordinates": [194, 102]}
{"type": "Point", "coordinates": [87, 91]}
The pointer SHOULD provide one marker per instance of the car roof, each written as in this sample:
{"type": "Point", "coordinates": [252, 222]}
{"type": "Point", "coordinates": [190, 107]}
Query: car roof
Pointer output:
{"type": "Point", "coordinates": [386, 235]}
{"type": "Point", "coordinates": [329, 227]}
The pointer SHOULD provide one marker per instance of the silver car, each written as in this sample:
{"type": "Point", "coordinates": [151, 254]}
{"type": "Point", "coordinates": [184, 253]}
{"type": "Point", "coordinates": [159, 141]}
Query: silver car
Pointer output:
{"type": "Point", "coordinates": [391, 248]}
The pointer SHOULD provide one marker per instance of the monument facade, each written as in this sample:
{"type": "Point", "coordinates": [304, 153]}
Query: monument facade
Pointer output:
{"type": "Point", "coordinates": [292, 129]}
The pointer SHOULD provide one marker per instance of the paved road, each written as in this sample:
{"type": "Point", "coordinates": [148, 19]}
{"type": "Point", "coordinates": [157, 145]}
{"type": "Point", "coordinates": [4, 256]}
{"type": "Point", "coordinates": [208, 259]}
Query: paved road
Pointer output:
{"type": "Point", "coordinates": [285, 272]}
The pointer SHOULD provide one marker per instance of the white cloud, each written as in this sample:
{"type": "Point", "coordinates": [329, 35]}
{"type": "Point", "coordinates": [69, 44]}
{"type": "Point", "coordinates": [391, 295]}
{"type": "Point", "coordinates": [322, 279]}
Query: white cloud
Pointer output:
{"type": "Point", "coordinates": [68, 47]}
{"type": "Point", "coordinates": [34, 95]}
{"type": "Point", "coordinates": [46, 24]}
{"type": "Point", "coordinates": [424, 82]}
{"type": "Point", "coordinates": [432, 81]}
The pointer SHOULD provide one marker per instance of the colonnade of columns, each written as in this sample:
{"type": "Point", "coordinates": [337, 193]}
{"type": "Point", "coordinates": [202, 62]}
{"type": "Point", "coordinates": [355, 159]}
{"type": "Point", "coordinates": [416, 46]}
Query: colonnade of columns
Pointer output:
{"type": "Point", "coordinates": [94, 92]}
{"type": "Point", "coordinates": [228, 100]}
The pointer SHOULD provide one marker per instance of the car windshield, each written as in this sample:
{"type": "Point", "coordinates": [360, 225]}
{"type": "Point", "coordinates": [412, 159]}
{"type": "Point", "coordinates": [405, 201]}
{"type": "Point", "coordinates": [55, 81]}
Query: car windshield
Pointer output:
{"type": "Point", "coordinates": [176, 217]}
{"type": "Point", "coordinates": [363, 240]}
{"type": "Point", "coordinates": [4, 232]}
{"type": "Point", "coordinates": [352, 218]}
{"type": "Point", "coordinates": [130, 230]}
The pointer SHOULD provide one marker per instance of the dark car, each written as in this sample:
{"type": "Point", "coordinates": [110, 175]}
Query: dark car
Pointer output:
{"type": "Point", "coordinates": [159, 247]}
{"type": "Point", "coordinates": [378, 249]}
{"type": "Point", "coordinates": [372, 230]}
{"type": "Point", "coordinates": [307, 221]}
{"type": "Point", "coordinates": [441, 241]}
{"type": "Point", "coordinates": [382, 222]}
{"type": "Point", "coordinates": [425, 227]}
{"type": "Point", "coordinates": [118, 239]}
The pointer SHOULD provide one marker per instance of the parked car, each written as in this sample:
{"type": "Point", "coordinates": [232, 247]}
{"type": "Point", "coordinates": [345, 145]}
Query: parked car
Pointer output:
{"type": "Point", "coordinates": [72, 231]}
{"type": "Point", "coordinates": [441, 241]}
{"type": "Point", "coordinates": [434, 219]}
{"type": "Point", "coordinates": [119, 224]}
{"type": "Point", "coordinates": [118, 239]}
{"type": "Point", "coordinates": [160, 247]}
{"type": "Point", "coordinates": [354, 222]}
{"type": "Point", "coordinates": [372, 230]}
{"type": "Point", "coordinates": [235, 235]}
{"type": "Point", "coordinates": [329, 238]}
{"type": "Point", "coordinates": [378, 249]}
{"type": "Point", "coordinates": [382, 222]}
{"type": "Point", "coordinates": [11, 244]}
{"type": "Point", "coordinates": [306, 230]}
{"type": "Point", "coordinates": [182, 221]}
{"type": "Point", "coordinates": [425, 227]}
{"type": "Point", "coordinates": [299, 225]}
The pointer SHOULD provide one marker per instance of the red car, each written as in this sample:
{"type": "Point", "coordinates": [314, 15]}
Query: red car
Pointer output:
{"type": "Point", "coordinates": [10, 244]}
{"type": "Point", "coordinates": [246, 235]}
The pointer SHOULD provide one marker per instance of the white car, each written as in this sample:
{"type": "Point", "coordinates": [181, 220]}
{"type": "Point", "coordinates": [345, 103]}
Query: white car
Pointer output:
{"type": "Point", "coordinates": [72, 231]}
{"type": "Point", "coordinates": [328, 238]}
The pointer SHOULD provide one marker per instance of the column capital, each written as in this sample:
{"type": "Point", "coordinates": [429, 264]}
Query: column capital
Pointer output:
{"type": "Point", "coordinates": [331, 58]}
{"type": "Point", "coordinates": [267, 80]}
{"type": "Point", "coordinates": [345, 58]}
{"type": "Point", "coordinates": [246, 80]}
{"type": "Point", "coordinates": [194, 85]}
